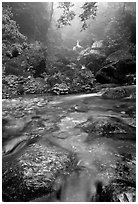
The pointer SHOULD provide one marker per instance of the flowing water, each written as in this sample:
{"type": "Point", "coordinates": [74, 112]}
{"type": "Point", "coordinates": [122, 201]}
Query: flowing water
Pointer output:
{"type": "Point", "coordinates": [67, 121]}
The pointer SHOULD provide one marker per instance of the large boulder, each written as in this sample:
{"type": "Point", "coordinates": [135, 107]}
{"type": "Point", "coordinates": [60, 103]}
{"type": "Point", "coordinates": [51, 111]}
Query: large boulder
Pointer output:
{"type": "Point", "coordinates": [92, 58]}
{"type": "Point", "coordinates": [108, 127]}
{"type": "Point", "coordinates": [106, 75]}
{"type": "Point", "coordinates": [119, 55]}
{"type": "Point", "coordinates": [127, 66]}
{"type": "Point", "coordinates": [120, 92]}
{"type": "Point", "coordinates": [94, 62]}
{"type": "Point", "coordinates": [31, 172]}
{"type": "Point", "coordinates": [121, 72]}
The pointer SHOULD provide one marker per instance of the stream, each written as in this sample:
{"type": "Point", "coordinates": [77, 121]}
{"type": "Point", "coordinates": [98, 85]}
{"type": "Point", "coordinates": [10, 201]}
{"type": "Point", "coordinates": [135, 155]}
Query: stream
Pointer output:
{"type": "Point", "coordinates": [100, 132]}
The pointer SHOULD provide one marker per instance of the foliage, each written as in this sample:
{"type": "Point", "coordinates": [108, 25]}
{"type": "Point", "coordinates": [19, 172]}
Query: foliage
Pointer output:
{"type": "Point", "coordinates": [71, 78]}
{"type": "Point", "coordinates": [36, 59]}
{"type": "Point", "coordinates": [12, 39]}
{"type": "Point", "coordinates": [31, 61]}
{"type": "Point", "coordinates": [34, 18]}
{"type": "Point", "coordinates": [57, 63]}
{"type": "Point", "coordinates": [118, 33]}
{"type": "Point", "coordinates": [10, 30]}
{"type": "Point", "coordinates": [12, 87]}
{"type": "Point", "coordinates": [115, 36]}
{"type": "Point", "coordinates": [90, 9]}
{"type": "Point", "coordinates": [68, 15]}
{"type": "Point", "coordinates": [115, 24]}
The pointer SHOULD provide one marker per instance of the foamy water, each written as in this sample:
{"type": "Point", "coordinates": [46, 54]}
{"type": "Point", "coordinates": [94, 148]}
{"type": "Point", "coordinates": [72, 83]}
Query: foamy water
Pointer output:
{"type": "Point", "coordinates": [74, 97]}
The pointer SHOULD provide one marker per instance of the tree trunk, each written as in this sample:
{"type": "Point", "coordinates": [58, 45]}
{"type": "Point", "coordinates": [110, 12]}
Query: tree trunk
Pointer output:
{"type": "Point", "coordinates": [50, 19]}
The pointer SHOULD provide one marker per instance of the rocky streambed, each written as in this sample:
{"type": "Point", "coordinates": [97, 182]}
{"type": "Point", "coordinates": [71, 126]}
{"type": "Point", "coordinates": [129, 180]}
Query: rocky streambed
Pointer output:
{"type": "Point", "coordinates": [70, 148]}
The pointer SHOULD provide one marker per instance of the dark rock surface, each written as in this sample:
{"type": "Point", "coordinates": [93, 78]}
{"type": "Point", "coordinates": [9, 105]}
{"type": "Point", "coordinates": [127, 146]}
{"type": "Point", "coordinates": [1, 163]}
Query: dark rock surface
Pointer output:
{"type": "Point", "coordinates": [92, 61]}
{"type": "Point", "coordinates": [122, 71]}
{"type": "Point", "coordinates": [119, 55]}
{"type": "Point", "coordinates": [32, 172]}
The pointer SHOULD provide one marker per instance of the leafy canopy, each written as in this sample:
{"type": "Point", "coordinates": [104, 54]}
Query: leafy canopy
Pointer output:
{"type": "Point", "coordinates": [67, 15]}
{"type": "Point", "coordinates": [89, 11]}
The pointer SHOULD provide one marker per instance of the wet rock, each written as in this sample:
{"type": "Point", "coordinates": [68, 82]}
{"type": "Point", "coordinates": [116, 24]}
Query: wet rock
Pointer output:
{"type": "Point", "coordinates": [130, 121]}
{"type": "Point", "coordinates": [13, 127]}
{"type": "Point", "coordinates": [13, 144]}
{"type": "Point", "coordinates": [112, 193]}
{"type": "Point", "coordinates": [110, 127]}
{"type": "Point", "coordinates": [123, 187]}
{"type": "Point", "coordinates": [120, 92]}
{"type": "Point", "coordinates": [31, 173]}
{"type": "Point", "coordinates": [126, 197]}
{"type": "Point", "coordinates": [98, 87]}
{"type": "Point", "coordinates": [13, 133]}
{"type": "Point", "coordinates": [62, 135]}
{"type": "Point", "coordinates": [50, 126]}
{"type": "Point", "coordinates": [77, 108]}
{"type": "Point", "coordinates": [128, 111]}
